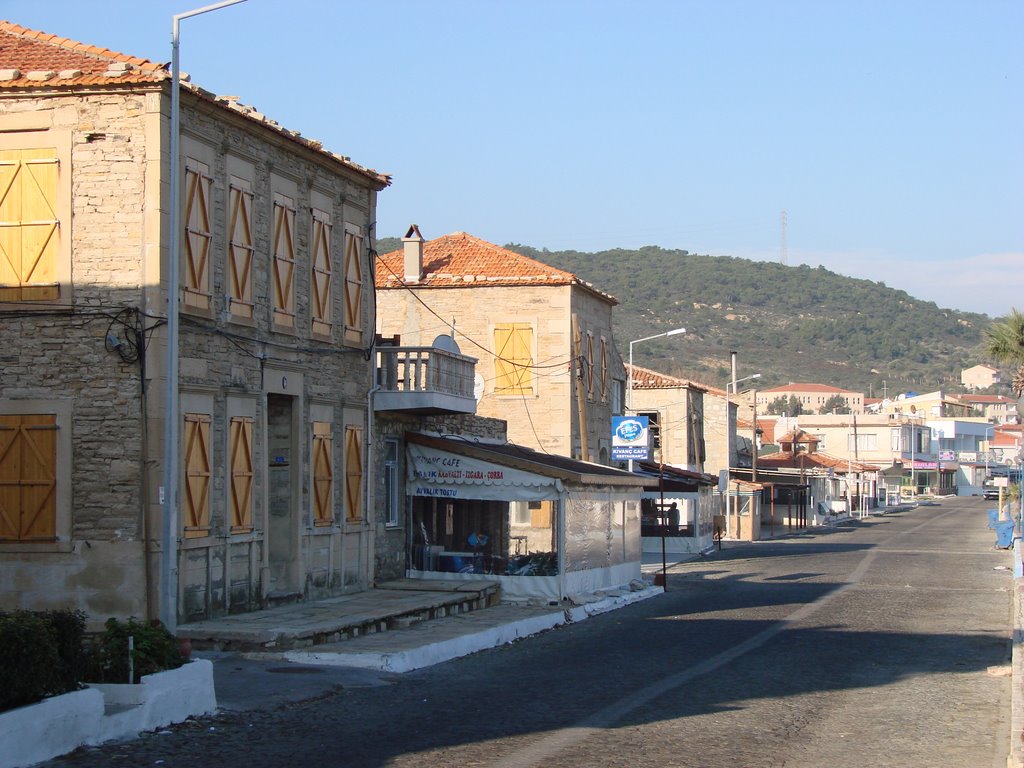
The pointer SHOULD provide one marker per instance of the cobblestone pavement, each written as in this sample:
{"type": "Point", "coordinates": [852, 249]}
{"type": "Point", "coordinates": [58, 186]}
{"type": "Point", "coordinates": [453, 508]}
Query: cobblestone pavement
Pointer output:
{"type": "Point", "coordinates": [878, 643]}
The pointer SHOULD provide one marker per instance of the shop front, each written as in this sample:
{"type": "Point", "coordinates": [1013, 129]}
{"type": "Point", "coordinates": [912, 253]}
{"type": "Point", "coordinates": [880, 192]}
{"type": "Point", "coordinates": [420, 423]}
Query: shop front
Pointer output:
{"type": "Point", "coordinates": [545, 527]}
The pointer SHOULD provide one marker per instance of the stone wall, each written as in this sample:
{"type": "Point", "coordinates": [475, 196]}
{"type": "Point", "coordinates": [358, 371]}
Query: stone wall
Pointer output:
{"type": "Point", "coordinates": [548, 419]}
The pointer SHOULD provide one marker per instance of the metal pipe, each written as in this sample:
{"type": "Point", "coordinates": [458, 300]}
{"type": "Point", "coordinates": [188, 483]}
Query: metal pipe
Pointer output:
{"type": "Point", "coordinates": [169, 531]}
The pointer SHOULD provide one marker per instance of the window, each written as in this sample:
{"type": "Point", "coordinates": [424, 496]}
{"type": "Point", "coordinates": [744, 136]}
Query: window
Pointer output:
{"type": "Point", "coordinates": [864, 442]}
{"type": "Point", "coordinates": [519, 512]}
{"type": "Point", "coordinates": [30, 233]}
{"type": "Point", "coordinates": [284, 261]}
{"type": "Point", "coordinates": [323, 474]}
{"type": "Point", "coordinates": [28, 477]}
{"type": "Point", "coordinates": [240, 451]}
{"type": "Point", "coordinates": [240, 249]}
{"type": "Point", "coordinates": [353, 267]}
{"type": "Point", "coordinates": [618, 396]}
{"type": "Point", "coordinates": [197, 474]}
{"type": "Point", "coordinates": [320, 282]}
{"type": "Point", "coordinates": [895, 442]}
{"type": "Point", "coordinates": [513, 349]}
{"type": "Point", "coordinates": [353, 473]}
{"type": "Point", "coordinates": [391, 482]}
{"type": "Point", "coordinates": [654, 430]}
{"type": "Point", "coordinates": [198, 186]}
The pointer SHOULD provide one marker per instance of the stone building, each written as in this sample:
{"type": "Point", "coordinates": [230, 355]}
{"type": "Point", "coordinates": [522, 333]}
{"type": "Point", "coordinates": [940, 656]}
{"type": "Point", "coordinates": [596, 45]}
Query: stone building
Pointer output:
{"type": "Point", "coordinates": [273, 366]}
{"type": "Point", "coordinates": [543, 338]}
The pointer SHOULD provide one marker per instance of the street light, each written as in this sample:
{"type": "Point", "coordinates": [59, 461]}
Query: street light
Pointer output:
{"type": "Point", "coordinates": [629, 399]}
{"type": "Point", "coordinates": [728, 442]}
{"type": "Point", "coordinates": [169, 529]}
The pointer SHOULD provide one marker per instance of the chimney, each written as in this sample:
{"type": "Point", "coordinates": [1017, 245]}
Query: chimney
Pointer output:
{"type": "Point", "coordinates": [412, 245]}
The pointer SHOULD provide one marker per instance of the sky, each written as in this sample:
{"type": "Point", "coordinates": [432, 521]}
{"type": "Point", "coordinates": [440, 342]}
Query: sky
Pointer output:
{"type": "Point", "coordinates": [890, 132]}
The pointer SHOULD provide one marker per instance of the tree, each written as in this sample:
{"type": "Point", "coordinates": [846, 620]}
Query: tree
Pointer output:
{"type": "Point", "coordinates": [835, 404]}
{"type": "Point", "coordinates": [1004, 340]}
{"type": "Point", "coordinates": [783, 406]}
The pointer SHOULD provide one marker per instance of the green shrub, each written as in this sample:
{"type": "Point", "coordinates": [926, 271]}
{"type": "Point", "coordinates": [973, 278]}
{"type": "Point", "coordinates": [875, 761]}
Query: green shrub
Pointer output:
{"type": "Point", "coordinates": [156, 649]}
{"type": "Point", "coordinates": [68, 630]}
{"type": "Point", "coordinates": [29, 659]}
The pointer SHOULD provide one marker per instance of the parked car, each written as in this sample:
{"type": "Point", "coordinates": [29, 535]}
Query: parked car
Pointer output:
{"type": "Point", "coordinates": [991, 492]}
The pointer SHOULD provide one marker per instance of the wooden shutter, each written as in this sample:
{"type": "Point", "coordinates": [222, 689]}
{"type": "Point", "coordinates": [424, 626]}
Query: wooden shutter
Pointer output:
{"type": "Point", "coordinates": [353, 264]}
{"type": "Point", "coordinates": [353, 472]}
{"type": "Point", "coordinates": [240, 449]}
{"type": "Point", "coordinates": [284, 261]}
{"type": "Point", "coordinates": [321, 278]}
{"type": "Point", "coordinates": [540, 514]}
{"type": "Point", "coordinates": [240, 249]}
{"type": "Point", "coordinates": [604, 370]}
{"type": "Point", "coordinates": [28, 477]}
{"type": "Point", "coordinates": [197, 474]}
{"type": "Point", "coordinates": [198, 185]}
{"type": "Point", "coordinates": [513, 349]}
{"type": "Point", "coordinates": [29, 227]}
{"type": "Point", "coordinates": [323, 474]}
{"type": "Point", "coordinates": [590, 366]}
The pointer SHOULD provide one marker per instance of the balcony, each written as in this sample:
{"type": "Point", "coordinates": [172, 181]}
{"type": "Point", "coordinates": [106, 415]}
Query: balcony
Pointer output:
{"type": "Point", "coordinates": [424, 380]}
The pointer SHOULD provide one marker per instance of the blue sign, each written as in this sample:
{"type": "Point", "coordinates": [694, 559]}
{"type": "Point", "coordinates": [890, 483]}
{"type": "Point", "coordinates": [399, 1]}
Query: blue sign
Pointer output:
{"type": "Point", "coordinates": [630, 438]}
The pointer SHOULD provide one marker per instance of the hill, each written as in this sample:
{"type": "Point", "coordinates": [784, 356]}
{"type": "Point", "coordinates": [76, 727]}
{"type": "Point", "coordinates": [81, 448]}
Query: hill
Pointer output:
{"type": "Point", "coordinates": [788, 323]}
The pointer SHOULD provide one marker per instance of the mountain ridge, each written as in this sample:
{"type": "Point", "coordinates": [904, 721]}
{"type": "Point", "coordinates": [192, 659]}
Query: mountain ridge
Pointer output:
{"type": "Point", "coordinates": [796, 323]}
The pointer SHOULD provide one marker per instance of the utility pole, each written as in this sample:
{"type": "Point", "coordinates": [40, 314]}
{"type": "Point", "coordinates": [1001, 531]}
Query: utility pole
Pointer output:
{"type": "Point", "coordinates": [783, 256]}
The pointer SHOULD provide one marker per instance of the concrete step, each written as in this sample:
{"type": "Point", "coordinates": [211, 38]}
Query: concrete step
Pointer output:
{"type": "Point", "coordinates": [394, 605]}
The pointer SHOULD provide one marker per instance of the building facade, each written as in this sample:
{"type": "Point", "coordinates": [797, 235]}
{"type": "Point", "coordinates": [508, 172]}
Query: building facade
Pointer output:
{"type": "Point", "coordinates": [547, 361]}
{"type": "Point", "coordinates": [272, 377]}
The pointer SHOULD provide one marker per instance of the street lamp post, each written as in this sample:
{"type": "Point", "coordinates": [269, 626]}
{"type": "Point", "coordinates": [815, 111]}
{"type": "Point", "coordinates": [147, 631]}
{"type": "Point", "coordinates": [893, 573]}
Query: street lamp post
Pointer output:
{"type": "Point", "coordinates": [728, 444]}
{"type": "Point", "coordinates": [169, 528]}
{"type": "Point", "coordinates": [629, 399]}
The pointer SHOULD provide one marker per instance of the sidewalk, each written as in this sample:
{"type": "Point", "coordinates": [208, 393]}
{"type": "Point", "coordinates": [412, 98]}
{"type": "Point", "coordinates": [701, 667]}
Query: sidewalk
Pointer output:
{"type": "Point", "coordinates": [265, 680]}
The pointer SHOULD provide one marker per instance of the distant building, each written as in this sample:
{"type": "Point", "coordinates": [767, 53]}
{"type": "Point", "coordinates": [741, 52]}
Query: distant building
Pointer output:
{"type": "Point", "coordinates": [979, 376]}
{"type": "Point", "coordinates": [998, 409]}
{"type": "Point", "coordinates": [811, 396]}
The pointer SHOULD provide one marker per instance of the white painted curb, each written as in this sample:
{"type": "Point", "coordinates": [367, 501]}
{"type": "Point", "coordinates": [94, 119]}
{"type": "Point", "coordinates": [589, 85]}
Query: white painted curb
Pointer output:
{"type": "Point", "coordinates": [60, 724]}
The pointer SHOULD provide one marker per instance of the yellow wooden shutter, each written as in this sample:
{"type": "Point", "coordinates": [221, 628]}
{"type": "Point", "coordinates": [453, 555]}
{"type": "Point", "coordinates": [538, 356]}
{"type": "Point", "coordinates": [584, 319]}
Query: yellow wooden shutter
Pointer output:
{"type": "Point", "coordinates": [197, 474]}
{"type": "Point", "coordinates": [513, 349]}
{"type": "Point", "coordinates": [540, 514]}
{"type": "Point", "coordinates": [240, 250]}
{"type": "Point", "coordinates": [353, 287]}
{"type": "Point", "coordinates": [198, 235]}
{"type": "Point", "coordinates": [284, 261]}
{"type": "Point", "coordinates": [28, 477]}
{"type": "Point", "coordinates": [321, 278]}
{"type": "Point", "coordinates": [353, 472]}
{"type": "Point", "coordinates": [29, 227]}
{"type": "Point", "coordinates": [323, 474]}
{"type": "Point", "coordinates": [240, 440]}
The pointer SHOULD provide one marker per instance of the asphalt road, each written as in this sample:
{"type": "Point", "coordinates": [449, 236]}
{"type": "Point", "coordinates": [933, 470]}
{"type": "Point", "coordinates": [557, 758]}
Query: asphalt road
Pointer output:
{"type": "Point", "coordinates": [879, 643]}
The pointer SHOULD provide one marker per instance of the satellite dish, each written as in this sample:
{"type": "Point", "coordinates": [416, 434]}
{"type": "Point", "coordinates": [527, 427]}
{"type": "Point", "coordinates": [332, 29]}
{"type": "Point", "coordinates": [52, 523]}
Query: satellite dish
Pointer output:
{"type": "Point", "coordinates": [447, 343]}
{"type": "Point", "coordinates": [478, 386]}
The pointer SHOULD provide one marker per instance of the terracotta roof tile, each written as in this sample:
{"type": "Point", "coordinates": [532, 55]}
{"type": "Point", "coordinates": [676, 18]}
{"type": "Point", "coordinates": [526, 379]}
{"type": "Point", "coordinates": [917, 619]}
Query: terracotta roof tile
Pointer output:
{"type": "Point", "coordinates": [816, 460]}
{"type": "Point", "coordinates": [645, 378]}
{"type": "Point", "coordinates": [25, 53]}
{"type": "Point", "coordinates": [460, 260]}
{"type": "Point", "coordinates": [29, 50]}
{"type": "Point", "coordinates": [798, 387]}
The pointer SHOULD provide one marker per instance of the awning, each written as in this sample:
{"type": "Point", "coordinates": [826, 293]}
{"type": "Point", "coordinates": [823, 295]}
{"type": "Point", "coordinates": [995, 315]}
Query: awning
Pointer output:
{"type": "Point", "coordinates": [462, 469]}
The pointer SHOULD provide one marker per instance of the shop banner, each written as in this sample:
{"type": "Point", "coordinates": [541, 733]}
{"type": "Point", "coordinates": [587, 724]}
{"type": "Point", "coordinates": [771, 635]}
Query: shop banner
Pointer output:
{"type": "Point", "coordinates": [436, 473]}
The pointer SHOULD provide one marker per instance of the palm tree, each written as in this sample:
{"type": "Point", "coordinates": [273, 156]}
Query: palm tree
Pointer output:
{"type": "Point", "coordinates": [1004, 340]}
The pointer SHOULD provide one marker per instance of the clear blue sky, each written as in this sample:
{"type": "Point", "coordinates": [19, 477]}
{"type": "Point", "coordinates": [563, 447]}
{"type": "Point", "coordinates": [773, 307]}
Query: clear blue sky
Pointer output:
{"type": "Point", "coordinates": [891, 132]}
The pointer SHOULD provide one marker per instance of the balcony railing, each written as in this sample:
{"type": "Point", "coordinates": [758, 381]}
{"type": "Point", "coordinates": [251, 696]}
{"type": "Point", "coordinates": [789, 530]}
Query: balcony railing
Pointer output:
{"type": "Point", "coordinates": [425, 380]}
